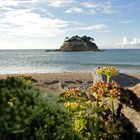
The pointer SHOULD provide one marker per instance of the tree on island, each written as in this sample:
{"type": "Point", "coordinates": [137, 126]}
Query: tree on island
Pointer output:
{"type": "Point", "coordinates": [76, 43]}
{"type": "Point", "coordinates": [87, 39]}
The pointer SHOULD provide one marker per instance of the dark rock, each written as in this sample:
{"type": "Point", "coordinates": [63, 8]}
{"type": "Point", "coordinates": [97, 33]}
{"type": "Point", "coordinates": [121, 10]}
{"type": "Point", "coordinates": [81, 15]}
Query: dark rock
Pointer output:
{"type": "Point", "coordinates": [89, 82]}
{"type": "Point", "coordinates": [51, 82]}
{"type": "Point", "coordinates": [79, 81]}
{"type": "Point", "coordinates": [125, 80]}
{"type": "Point", "coordinates": [131, 132]}
{"type": "Point", "coordinates": [136, 90]}
{"type": "Point", "coordinates": [132, 112]}
{"type": "Point", "coordinates": [70, 82]}
{"type": "Point", "coordinates": [133, 116]}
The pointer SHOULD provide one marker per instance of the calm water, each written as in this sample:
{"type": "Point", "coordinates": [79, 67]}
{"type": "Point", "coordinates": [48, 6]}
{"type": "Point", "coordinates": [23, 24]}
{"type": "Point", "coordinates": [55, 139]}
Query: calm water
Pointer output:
{"type": "Point", "coordinates": [39, 61]}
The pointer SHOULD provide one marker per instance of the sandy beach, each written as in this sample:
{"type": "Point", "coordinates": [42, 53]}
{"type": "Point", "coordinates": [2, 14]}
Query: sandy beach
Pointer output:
{"type": "Point", "coordinates": [72, 76]}
{"type": "Point", "coordinates": [51, 80]}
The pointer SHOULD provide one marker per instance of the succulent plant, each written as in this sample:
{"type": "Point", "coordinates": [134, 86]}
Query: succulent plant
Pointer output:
{"type": "Point", "coordinates": [108, 71]}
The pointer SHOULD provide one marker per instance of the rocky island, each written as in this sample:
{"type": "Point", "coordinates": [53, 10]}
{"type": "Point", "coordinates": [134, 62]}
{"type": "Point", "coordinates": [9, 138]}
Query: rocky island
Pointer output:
{"type": "Point", "coordinates": [76, 43]}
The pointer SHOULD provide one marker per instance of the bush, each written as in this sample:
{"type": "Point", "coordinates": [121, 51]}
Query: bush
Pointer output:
{"type": "Point", "coordinates": [28, 78]}
{"type": "Point", "coordinates": [50, 121]}
{"type": "Point", "coordinates": [25, 115]}
{"type": "Point", "coordinates": [17, 101]}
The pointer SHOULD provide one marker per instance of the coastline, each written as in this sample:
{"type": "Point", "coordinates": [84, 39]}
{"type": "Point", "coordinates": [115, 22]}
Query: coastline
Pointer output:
{"type": "Point", "coordinates": [124, 79]}
{"type": "Point", "coordinates": [81, 75]}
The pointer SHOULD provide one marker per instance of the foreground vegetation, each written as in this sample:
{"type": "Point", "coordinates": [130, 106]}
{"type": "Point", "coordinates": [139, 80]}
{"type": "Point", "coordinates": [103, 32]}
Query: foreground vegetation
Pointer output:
{"type": "Point", "coordinates": [26, 113]}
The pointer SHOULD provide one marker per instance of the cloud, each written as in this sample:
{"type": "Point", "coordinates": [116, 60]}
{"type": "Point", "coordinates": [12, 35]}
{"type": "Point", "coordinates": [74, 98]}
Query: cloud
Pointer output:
{"type": "Point", "coordinates": [126, 21]}
{"type": "Point", "coordinates": [59, 3]}
{"type": "Point", "coordinates": [126, 42]}
{"type": "Point", "coordinates": [92, 8]}
{"type": "Point", "coordinates": [32, 24]}
{"type": "Point", "coordinates": [16, 2]}
{"type": "Point", "coordinates": [19, 19]}
{"type": "Point", "coordinates": [74, 10]}
{"type": "Point", "coordinates": [89, 4]}
{"type": "Point", "coordinates": [95, 28]}
{"type": "Point", "coordinates": [92, 11]}
{"type": "Point", "coordinates": [76, 26]}
{"type": "Point", "coordinates": [29, 24]}
{"type": "Point", "coordinates": [98, 7]}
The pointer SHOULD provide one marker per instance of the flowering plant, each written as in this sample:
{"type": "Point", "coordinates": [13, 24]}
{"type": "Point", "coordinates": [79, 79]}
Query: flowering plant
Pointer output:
{"type": "Point", "coordinates": [108, 71]}
{"type": "Point", "coordinates": [104, 89]}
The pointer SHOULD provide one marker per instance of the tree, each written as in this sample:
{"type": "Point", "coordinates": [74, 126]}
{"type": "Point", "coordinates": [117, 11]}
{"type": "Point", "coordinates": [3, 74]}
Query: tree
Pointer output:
{"type": "Point", "coordinates": [91, 39]}
{"type": "Point", "coordinates": [66, 38]}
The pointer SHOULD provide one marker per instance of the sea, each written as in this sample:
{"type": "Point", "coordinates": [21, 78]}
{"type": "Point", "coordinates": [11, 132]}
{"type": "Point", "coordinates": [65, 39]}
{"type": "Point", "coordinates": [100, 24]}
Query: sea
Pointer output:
{"type": "Point", "coordinates": [41, 61]}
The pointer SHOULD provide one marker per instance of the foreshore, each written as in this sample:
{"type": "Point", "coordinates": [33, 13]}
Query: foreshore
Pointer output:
{"type": "Point", "coordinates": [124, 79]}
{"type": "Point", "coordinates": [56, 83]}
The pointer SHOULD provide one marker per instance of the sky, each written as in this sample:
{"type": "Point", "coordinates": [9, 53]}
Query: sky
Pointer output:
{"type": "Point", "coordinates": [44, 24]}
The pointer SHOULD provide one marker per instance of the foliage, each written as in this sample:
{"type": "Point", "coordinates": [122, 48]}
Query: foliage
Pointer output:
{"type": "Point", "coordinates": [93, 118]}
{"type": "Point", "coordinates": [77, 38]}
{"type": "Point", "coordinates": [25, 114]}
{"type": "Point", "coordinates": [28, 78]}
{"type": "Point", "coordinates": [50, 121]}
{"type": "Point", "coordinates": [17, 101]}
{"type": "Point", "coordinates": [77, 43]}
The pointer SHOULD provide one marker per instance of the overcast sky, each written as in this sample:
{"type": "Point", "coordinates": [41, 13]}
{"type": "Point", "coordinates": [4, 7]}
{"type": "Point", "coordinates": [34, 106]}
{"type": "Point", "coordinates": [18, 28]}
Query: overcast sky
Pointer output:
{"type": "Point", "coordinates": [45, 23]}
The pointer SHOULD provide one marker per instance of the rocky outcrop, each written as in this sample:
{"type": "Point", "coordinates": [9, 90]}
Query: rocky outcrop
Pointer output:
{"type": "Point", "coordinates": [77, 43]}
{"type": "Point", "coordinates": [131, 111]}
{"type": "Point", "coordinates": [136, 90]}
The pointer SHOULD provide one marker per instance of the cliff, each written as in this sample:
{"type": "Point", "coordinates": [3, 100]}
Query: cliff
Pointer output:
{"type": "Point", "coordinates": [76, 43]}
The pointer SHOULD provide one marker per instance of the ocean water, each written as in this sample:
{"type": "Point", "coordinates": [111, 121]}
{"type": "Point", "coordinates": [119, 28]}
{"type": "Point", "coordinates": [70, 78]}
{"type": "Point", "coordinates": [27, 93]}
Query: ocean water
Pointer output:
{"type": "Point", "coordinates": [40, 61]}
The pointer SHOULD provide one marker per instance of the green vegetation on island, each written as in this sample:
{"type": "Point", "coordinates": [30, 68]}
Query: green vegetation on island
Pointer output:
{"type": "Point", "coordinates": [76, 43]}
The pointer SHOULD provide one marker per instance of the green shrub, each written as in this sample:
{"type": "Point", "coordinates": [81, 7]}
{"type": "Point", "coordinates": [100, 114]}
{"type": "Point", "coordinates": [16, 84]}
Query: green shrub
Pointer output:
{"type": "Point", "coordinates": [25, 115]}
{"type": "Point", "coordinates": [50, 121]}
{"type": "Point", "coordinates": [17, 101]}
{"type": "Point", "coordinates": [27, 77]}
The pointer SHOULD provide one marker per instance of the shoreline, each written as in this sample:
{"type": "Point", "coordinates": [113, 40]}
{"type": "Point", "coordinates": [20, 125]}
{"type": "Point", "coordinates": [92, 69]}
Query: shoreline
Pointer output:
{"type": "Point", "coordinates": [57, 82]}
{"type": "Point", "coordinates": [76, 75]}
{"type": "Point", "coordinates": [63, 73]}
{"type": "Point", "coordinates": [49, 71]}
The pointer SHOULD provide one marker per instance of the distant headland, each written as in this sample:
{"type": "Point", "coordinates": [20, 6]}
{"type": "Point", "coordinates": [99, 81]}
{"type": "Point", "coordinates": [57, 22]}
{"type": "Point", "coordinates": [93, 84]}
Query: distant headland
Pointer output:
{"type": "Point", "coordinates": [76, 43]}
